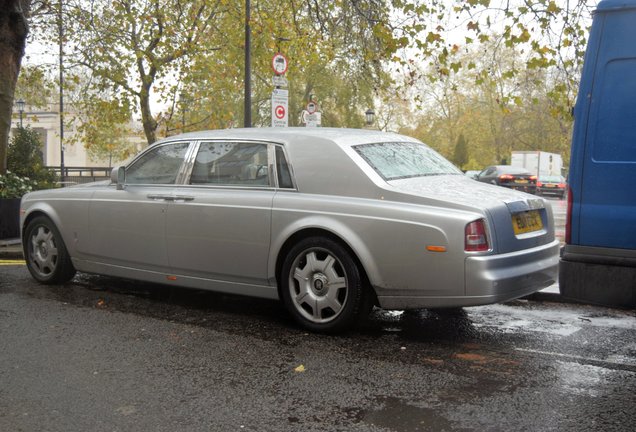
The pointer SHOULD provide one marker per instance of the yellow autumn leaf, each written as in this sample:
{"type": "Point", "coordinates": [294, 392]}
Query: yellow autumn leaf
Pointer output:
{"type": "Point", "coordinates": [300, 368]}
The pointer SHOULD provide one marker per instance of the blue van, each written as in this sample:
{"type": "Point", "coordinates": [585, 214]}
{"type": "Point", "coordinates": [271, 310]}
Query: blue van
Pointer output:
{"type": "Point", "coordinates": [598, 262]}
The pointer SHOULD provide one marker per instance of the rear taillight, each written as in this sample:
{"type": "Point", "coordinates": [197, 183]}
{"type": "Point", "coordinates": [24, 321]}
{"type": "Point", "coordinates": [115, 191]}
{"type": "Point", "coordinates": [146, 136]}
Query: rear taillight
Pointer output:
{"type": "Point", "coordinates": [568, 219]}
{"type": "Point", "coordinates": [561, 185]}
{"type": "Point", "coordinates": [539, 184]}
{"type": "Point", "coordinates": [533, 178]}
{"type": "Point", "coordinates": [476, 239]}
{"type": "Point", "coordinates": [506, 177]}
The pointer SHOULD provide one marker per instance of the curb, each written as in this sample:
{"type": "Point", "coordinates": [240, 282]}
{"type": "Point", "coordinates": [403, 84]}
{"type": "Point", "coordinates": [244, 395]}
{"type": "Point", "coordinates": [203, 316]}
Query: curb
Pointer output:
{"type": "Point", "coordinates": [548, 297]}
{"type": "Point", "coordinates": [11, 249]}
{"type": "Point", "coordinates": [11, 253]}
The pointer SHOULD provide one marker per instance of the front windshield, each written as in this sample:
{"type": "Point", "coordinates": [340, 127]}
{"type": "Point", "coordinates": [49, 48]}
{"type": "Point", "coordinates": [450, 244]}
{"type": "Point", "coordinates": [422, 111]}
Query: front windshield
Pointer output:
{"type": "Point", "coordinates": [399, 160]}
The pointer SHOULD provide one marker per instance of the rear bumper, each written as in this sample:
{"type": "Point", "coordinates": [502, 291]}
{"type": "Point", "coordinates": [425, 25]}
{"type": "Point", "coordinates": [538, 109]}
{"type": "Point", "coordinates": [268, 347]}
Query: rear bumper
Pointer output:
{"type": "Point", "coordinates": [507, 276]}
{"type": "Point", "coordinates": [551, 191]}
{"type": "Point", "coordinates": [493, 279]}
{"type": "Point", "coordinates": [529, 188]}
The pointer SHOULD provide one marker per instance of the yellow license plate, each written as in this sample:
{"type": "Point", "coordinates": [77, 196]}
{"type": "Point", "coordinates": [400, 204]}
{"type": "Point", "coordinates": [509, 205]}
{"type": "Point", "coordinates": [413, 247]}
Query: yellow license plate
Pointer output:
{"type": "Point", "coordinates": [521, 181]}
{"type": "Point", "coordinates": [526, 222]}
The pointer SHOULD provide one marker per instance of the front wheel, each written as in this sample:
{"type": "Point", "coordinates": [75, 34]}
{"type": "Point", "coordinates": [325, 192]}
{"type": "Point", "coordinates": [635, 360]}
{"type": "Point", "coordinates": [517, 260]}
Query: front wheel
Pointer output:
{"type": "Point", "coordinates": [321, 285]}
{"type": "Point", "coordinates": [45, 252]}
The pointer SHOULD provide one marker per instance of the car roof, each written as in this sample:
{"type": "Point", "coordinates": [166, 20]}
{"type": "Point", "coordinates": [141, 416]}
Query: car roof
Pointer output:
{"type": "Point", "coordinates": [316, 154]}
{"type": "Point", "coordinates": [292, 135]}
{"type": "Point", "coordinates": [512, 169]}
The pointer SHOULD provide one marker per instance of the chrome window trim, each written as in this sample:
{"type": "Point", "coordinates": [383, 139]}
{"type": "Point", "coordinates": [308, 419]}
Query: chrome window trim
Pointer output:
{"type": "Point", "coordinates": [192, 152]}
{"type": "Point", "coordinates": [195, 151]}
{"type": "Point", "coordinates": [188, 163]}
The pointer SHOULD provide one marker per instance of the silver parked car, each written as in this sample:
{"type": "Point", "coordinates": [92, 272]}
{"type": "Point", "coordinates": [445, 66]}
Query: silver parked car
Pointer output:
{"type": "Point", "coordinates": [330, 221]}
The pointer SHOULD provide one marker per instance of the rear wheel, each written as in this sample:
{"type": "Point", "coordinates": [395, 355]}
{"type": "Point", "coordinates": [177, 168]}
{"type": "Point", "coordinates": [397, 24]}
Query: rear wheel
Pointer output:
{"type": "Point", "coordinates": [321, 285]}
{"type": "Point", "coordinates": [45, 252]}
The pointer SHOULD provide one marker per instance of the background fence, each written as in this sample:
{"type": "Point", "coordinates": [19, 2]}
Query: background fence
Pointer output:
{"type": "Point", "coordinates": [76, 175]}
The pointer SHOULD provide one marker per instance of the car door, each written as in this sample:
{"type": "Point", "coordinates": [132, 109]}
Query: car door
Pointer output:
{"type": "Point", "coordinates": [487, 175]}
{"type": "Point", "coordinates": [218, 226]}
{"type": "Point", "coordinates": [127, 227]}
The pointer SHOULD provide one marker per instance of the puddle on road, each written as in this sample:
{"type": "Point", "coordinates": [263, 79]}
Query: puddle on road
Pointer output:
{"type": "Point", "coordinates": [537, 318]}
{"type": "Point", "coordinates": [586, 380]}
{"type": "Point", "coordinates": [399, 416]}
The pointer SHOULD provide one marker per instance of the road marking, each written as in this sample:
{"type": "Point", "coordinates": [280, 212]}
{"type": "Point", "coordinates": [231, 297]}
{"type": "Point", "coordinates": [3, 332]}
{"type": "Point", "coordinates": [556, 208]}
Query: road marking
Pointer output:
{"type": "Point", "coordinates": [12, 262]}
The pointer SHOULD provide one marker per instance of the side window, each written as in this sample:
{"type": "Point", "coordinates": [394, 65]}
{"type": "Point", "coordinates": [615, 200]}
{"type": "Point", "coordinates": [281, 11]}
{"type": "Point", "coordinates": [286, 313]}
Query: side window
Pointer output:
{"type": "Point", "coordinates": [158, 166]}
{"type": "Point", "coordinates": [284, 175]}
{"type": "Point", "coordinates": [231, 164]}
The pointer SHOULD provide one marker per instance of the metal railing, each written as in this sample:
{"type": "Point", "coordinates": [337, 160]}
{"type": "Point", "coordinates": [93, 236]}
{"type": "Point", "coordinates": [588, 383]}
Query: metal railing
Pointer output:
{"type": "Point", "coordinates": [77, 175]}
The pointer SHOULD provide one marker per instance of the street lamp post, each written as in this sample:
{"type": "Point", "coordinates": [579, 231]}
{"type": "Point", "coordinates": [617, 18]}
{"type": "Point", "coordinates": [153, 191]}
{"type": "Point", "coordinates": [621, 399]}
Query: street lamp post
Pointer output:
{"type": "Point", "coordinates": [20, 104]}
{"type": "Point", "coordinates": [369, 116]}
{"type": "Point", "coordinates": [247, 108]}
{"type": "Point", "coordinates": [61, 41]}
{"type": "Point", "coordinates": [185, 102]}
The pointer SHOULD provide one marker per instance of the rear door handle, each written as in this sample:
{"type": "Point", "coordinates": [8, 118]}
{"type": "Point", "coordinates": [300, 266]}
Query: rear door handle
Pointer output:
{"type": "Point", "coordinates": [179, 198]}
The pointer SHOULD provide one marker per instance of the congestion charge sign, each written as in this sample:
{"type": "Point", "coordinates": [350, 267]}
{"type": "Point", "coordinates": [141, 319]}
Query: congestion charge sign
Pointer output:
{"type": "Point", "coordinates": [280, 112]}
{"type": "Point", "coordinates": [279, 108]}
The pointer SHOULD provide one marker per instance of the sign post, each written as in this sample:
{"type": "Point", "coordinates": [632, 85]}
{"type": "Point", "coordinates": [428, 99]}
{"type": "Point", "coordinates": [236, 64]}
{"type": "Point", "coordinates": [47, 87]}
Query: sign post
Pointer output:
{"type": "Point", "coordinates": [311, 116]}
{"type": "Point", "coordinates": [280, 117]}
{"type": "Point", "coordinates": [280, 97]}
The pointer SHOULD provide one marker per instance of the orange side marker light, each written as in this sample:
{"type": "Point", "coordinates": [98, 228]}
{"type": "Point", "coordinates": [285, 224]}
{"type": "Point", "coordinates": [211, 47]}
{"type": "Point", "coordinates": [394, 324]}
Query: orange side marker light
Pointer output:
{"type": "Point", "coordinates": [436, 248]}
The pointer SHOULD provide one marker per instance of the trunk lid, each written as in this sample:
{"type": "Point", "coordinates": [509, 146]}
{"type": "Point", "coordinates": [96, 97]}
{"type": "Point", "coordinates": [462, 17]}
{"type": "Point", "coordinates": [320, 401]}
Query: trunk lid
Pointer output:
{"type": "Point", "coordinates": [504, 208]}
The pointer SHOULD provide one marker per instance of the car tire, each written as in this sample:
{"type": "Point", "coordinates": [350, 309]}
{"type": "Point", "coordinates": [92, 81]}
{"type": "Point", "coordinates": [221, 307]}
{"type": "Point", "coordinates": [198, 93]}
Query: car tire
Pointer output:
{"type": "Point", "coordinates": [46, 255]}
{"type": "Point", "coordinates": [322, 286]}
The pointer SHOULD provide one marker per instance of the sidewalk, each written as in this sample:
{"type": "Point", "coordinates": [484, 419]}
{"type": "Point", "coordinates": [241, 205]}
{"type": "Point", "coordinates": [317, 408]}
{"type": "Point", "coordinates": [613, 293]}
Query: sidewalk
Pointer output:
{"type": "Point", "coordinates": [11, 249]}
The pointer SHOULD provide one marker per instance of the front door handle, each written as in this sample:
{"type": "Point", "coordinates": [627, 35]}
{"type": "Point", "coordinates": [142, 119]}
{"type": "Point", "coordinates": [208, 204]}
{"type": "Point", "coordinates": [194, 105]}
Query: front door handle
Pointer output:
{"type": "Point", "coordinates": [160, 197]}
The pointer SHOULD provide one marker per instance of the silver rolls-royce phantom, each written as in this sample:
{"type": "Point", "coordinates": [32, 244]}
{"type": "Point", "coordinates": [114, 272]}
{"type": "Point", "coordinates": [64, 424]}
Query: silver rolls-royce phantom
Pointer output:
{"type": "Point", "coordinates": [330, 221]}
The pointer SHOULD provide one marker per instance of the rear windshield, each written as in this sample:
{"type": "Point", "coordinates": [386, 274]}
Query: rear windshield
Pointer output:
{"type": "Point", "coordinates": [399, 160]}
{"type": "Point", "coordinates": [513, 170]}
{"type": "Point", "coordinates": [555, 179]}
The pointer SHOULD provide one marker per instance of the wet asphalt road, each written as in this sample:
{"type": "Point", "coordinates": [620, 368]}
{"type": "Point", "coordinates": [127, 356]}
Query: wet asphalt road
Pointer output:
{"type": "Point", "coordinates": [103, 354]}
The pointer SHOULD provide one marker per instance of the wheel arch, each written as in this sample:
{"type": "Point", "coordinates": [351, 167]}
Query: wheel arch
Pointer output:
{"type": "Point", "coordinates": [41, 210]}
{"type": "Point", "coordinates": [315, 231]}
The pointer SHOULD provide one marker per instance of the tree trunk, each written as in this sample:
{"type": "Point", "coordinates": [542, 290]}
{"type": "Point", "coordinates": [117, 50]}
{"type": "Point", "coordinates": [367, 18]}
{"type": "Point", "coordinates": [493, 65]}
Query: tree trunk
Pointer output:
{"type": "Point", "coordinates": [147, 119]}
{"type": "Point", "coordinates": [13, 32]}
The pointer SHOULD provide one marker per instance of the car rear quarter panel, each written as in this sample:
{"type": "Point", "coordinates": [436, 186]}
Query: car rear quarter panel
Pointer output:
{"type": "Point", "coordinates": [324, 167]}
{"type": "Point", "coordinates": [389, 238]}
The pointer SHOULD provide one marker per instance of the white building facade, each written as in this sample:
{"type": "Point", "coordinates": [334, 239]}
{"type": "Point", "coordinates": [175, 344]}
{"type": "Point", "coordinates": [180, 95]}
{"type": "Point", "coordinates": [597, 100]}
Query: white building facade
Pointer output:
{"type": "Point", "coordinates": [47, 125]}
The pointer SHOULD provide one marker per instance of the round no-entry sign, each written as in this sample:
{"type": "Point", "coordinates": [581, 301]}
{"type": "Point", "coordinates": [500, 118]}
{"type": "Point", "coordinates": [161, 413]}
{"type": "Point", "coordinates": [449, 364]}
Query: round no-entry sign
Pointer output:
{"type": "Point", "coordinates": [280, 112]}
{"type": "Point", "coordinates": [312, 107]}
{"type": "Point", "coordinates": [279, 64]}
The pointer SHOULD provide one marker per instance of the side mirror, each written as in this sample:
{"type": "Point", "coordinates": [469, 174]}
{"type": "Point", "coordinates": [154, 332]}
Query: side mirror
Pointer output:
{"type": "Point", "coordinates": [118, 176]}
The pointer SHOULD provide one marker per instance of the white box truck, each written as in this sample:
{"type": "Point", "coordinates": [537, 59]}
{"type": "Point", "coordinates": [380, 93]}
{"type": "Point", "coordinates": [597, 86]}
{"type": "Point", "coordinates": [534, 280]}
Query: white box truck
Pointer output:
{"type": "Point", "coordinates": [539, 163]}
